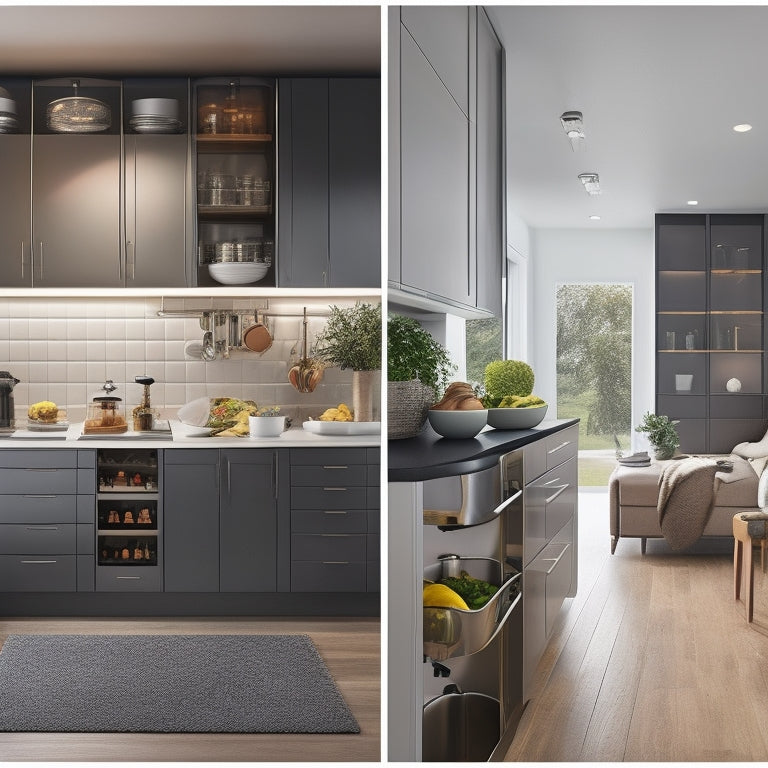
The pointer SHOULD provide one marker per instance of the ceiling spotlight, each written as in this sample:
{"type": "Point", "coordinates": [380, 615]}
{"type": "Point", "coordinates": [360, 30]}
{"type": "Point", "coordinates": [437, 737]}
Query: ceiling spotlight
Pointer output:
{"type": "Point", "coordinates": [591, 182]}
{"type": "Point", "coordinates": [573, 125]}
{"type": "Point", "coordinates": [742, 127]}
{"type": "Point", "coordinates": [594, 218]}
{"type": "Point", "coordinates": [693, 202]}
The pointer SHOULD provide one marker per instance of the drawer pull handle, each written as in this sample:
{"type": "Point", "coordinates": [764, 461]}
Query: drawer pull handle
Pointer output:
{"type": "Point", "coordinates": [40, 496]}
{"type": "Point", "coordinates": [335, 562]}
{"type": "Point", "coordinates": [560, 490]}
{"type": "Point", "coordinates": [39, 469]}
{"type": "Point", "coordinates": [336, 535]}
{"type": "Point", "coordinates": [335, 466]}
{"type": "Point", "coordinates": [334, 489]}
{"type": "Point", "coordinates": [507, 502]}
{"type": "Point", "coordinates": [38, 562]}
{"type": "Point", "coordinates": [41, 528]}
{"type": "Point", "coordinates": [129, 578]}
{"type": "Point", "coordinates": [554, 560]}
{"type": "Point", "coordinates": [334, 512]}
{"type": "Point", "coordinates": [562, 445]}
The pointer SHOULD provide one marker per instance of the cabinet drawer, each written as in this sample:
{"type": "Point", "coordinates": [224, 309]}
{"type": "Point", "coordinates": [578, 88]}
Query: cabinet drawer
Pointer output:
{"type": "Point", "coordinates": [328, 577]}
{"type": "Point", "coordinates": [329, 474]}
{"type": "Point", "coordinates": [37, 458]}
{"type": "Point", "coordinates": [562, 445]}
{"type": "Point", "coordinates": [329, 521]}
{"type": "Point", "coordinates": [38, 508]}
{"type": "Point", "coordinates": [549, 504]}
{"type": "Point", "coordinates": [27, 573]}
{"type": "Point", "coordinates": [125, 579]}
{"type": "Point", "coordinates": [328, 497]}
{"type": "Point", "coordinates": [38, 539]}
{"type": "Point", "coordinates": [321, 456]}
{"type": "Point", "coordinates": [328, 547]}
{"type": "Point", "coordinates": [38, 480]}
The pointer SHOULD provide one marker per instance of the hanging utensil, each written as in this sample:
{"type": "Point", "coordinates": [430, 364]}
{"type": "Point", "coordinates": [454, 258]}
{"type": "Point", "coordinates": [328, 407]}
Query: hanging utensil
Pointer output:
{"type": "Point", "coordinates": [257, 337]}
{"type": "Point", "coordinates": [307, 373]}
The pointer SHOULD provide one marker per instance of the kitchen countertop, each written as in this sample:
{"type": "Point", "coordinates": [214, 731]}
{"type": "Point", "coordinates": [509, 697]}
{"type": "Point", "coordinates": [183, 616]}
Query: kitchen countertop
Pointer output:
{"type": "Point", "coordinates": [183, 436]}
{"type": "Point", "coordinates": [428, 455]}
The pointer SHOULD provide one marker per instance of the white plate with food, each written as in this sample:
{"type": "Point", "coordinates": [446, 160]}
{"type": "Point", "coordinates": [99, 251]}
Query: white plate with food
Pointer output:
{"type": "Point", "coordinates": [343, 427]}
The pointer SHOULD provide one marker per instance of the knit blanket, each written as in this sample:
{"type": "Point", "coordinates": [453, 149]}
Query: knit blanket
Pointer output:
{"type": "Point", "coordinates": [686, 495]}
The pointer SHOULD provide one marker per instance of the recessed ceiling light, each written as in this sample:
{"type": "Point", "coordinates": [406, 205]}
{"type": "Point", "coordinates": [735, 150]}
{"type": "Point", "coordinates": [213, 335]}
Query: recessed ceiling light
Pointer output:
{"type": "Point", "coordinates": [742, 127]}
{"type": "Point", "coordinates": [693, 202]}
{"type": "Point", "coordinates": [591, 182]}
{"type": "Point", "coordinates": [594, 218]}
{"type": "Point", "coordinates": [573, 125]}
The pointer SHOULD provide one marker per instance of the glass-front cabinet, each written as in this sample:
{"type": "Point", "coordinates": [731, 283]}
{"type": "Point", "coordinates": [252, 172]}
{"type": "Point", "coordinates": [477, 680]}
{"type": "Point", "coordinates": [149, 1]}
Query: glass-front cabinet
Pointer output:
{"type": "Point", "coordinates": [710, 373]}
{"type": "Point", "coordinates": [234, 150]}
{"type": "Point", "coordinates": [128, 521]}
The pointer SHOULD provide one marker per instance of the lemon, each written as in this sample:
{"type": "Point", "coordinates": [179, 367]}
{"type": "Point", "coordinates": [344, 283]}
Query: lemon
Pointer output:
{"type": "Point", "coordinates": [445, 597]}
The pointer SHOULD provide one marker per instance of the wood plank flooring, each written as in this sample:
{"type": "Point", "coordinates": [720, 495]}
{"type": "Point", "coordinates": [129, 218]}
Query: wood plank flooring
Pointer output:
{"type": "Point", "coordinates": [349, 647]}
{"type": "Point", "coordinates": [653, 660]}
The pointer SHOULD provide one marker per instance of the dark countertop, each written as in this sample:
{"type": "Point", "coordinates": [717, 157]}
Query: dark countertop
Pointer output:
{"type": "Point", "coordinates": [428, 455]}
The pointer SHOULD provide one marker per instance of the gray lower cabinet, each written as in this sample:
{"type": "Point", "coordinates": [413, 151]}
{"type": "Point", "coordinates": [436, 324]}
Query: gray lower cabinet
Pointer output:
{"type": "Point", "coordinates": [334, 520]}
{"type": "Point", "coordinates": [329, 182]}
{"type": "Point", "coordinates": [191, 516]}
{"type": "Point", "coordinates": [248, 513]}
{"type": "Point", "coordinates": [46, 520]}
{"type": "Point", "coordinates": [549, 539]}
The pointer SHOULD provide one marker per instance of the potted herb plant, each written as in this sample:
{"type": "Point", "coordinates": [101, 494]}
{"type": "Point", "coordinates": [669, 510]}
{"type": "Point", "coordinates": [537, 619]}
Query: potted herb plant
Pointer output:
{"type": "Point", "coordinates": [351, 339]}
{"type": "Point", "coordinates": [418, 369]}
{"type": "Point", "coordinates": [662, 434]}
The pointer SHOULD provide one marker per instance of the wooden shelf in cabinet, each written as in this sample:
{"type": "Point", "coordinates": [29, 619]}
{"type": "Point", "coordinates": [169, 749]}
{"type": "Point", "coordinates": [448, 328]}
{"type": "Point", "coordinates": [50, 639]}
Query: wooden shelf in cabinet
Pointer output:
{"type": "Point", "coordinates": [737, 271]}
{"type": "Point", "coordinates": [228, 142]}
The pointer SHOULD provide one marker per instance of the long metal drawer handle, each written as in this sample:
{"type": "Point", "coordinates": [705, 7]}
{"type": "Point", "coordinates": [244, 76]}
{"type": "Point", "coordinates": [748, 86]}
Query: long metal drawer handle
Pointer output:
{"type": "Point", "coordinates": [335, 466]}
{"type": "Point", "coordinates": [507, 502]}
{"type": "Point", "coordinates": [560, 490]}
{"type": "Point", "coordinates": [335, 512]}
{"type": "Point", "coordinates": [39, 469]}
{"type": "Point", "coordinates": [334, 489]}
{"type": "Point", "coordinates": [38, 562]}
{"type": "Point", "coordinates": [41, 528]}
{"type": "Point", "coordinates": [503, 620]}
{"type": "Point", "coordinates": [129, 578]}
{"type": "Point", "coordinates": [554, 560]}
{"type": "Point", "coordinates": [335, 562]}
{"type": "Point", "coordinates": [562, 445]}
{"type": "Point", "coordinates": [40, 496]}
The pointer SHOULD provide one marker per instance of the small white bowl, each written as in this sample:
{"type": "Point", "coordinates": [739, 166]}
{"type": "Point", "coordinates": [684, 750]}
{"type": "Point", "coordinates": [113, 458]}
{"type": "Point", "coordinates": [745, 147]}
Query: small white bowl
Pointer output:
{"type": "Point", "coordinates": [7, 105]}
{"type": "Point", "coordinates": [457, 424]}
{"type": "Point", "coordinates": [516, 418]}
{"type": "Point", "coordinates": [266, 426]}
{"type": "Point", "coordinates": [238, 272]}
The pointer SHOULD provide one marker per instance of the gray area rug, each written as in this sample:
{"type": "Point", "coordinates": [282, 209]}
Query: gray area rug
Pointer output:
{"type": "Point", "coordinates": [169, 684]}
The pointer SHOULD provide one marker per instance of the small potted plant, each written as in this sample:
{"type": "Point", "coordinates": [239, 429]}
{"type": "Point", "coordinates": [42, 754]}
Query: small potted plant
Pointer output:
{"type": "Point", "coordinates": [662, 434]}
{"type": "Point", "coordinates": [418, 369]}
{"type": "Point", "coordinates": [351, 339]}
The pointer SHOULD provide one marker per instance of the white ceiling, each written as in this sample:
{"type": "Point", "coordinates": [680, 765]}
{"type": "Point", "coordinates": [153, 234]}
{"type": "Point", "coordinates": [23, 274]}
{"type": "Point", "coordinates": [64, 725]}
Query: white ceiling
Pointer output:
{"type": "Point", "coordinates": [189, 40]}
{"type": "Point", "coordinates": [660, 87]}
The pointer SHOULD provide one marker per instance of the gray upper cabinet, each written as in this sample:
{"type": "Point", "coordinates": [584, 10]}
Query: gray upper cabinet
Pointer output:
{"type": "Point", "coordinates": [76, 193]}
{"type": "Point", "coordinates": [490, 165]}
{"type": "Point", "coordinates": [446, 130]}
{"type": "Point", "coordinates": [329, 187]}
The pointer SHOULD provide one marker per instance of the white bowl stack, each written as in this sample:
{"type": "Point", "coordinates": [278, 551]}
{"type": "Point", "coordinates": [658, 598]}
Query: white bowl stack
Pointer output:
{"type": "Point", "coordinates": [238, 272]}
{"type": "Point", "coordinates": [8, 120]}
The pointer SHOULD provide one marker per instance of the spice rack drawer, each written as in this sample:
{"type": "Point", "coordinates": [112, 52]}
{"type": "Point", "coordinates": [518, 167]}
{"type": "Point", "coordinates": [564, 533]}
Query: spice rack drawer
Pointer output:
{"type": "Point", "coordinates": [38, 508]}
{"type": "Point", "coordinates": [342, 547]}
{"type": "Point", "coordinates": [328, 497]}
{"type": "Point", "coordinates": [329, 521]}
{"type": "Point", "coordinates": [310, 576]}
{"type": "Point", "coordinates": [40, 539]}
{"type": "Point", "coordinates": [38, 573]}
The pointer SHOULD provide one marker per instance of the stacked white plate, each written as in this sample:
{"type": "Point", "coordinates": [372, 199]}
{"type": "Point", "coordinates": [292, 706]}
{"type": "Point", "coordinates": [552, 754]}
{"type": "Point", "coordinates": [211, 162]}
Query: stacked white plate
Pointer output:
{"type": "Point", "coordinates": [238, 273]}
{"type": "Point", "coordinates": [155, 116]}
{"type": "Point", "coordinates": [8, 121]}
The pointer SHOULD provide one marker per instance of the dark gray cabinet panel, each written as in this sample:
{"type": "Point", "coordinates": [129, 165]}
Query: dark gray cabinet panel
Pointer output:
{"type": "Point", "coordinates": [156, 181]}
{"type": "Point", "coordinates": [435, 183]}
{"type": "Point", "coordinates": [490, 167]}
{"type": "Point", "coordinates": [15, 213]}
{"type": "Point", "coordinates": [191, 510]}
{"type": "Point", "coordinates": [248, 520]}
{"type": "Point", "coordinates": [442, 33]}
{"type": "Point", "coordinates": [76, 214]}
{"type": "Point", "coordinates": [329, 183]}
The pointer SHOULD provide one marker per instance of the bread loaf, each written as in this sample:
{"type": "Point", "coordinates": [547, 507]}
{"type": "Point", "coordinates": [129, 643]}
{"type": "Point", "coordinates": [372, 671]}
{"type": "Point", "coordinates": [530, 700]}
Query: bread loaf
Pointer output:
{"type": "Point", "coordinates": [459, 396]}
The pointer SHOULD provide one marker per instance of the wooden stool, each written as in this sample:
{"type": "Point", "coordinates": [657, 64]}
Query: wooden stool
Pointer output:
{"type": "Point", "coordinates": [742, 559]}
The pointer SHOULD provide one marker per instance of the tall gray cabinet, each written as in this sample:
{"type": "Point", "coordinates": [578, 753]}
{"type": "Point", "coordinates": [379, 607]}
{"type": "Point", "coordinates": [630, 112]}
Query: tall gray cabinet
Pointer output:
{"type": "Point", "coordinates": [710, 359]}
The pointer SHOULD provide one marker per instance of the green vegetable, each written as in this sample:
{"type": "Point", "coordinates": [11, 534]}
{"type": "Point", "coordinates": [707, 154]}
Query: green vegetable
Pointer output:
{"type": "Point", "coordinates": [475, 592]}
{"type": "Point", "coordinates": [506, 377]}
{"type": "Point", "coordinates": [224, 411]}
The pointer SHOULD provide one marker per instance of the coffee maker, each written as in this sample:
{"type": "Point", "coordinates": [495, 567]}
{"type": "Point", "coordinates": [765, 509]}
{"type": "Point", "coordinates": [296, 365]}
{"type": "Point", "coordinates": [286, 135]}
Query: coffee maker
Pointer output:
{"type": "Point", "coordinates": [7, 383]}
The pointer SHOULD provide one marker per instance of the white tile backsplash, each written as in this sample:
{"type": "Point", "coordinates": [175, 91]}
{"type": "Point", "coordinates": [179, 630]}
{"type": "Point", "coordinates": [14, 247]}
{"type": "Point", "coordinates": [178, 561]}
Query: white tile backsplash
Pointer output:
{"type": "Point", "coordinates": [64, 349]}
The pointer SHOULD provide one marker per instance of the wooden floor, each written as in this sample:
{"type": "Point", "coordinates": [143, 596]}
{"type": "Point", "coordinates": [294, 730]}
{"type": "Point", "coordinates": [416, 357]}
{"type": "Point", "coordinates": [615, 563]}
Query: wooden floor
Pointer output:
{"type": "Point", "coordinates": [349, 647]}
{"type": "Point", "coordinates": [652, 661]}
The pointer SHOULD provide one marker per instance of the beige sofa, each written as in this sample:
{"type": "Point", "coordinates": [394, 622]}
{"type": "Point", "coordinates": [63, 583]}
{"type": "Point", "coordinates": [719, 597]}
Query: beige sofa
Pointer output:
{"type": "Point", "coordinates": [634, 491]}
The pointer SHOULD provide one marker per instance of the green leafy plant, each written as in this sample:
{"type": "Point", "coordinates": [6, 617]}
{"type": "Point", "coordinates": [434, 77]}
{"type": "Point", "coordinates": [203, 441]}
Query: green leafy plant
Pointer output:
{"type": "Point", "coordinates": [351, 338]}
{"type": "Point", "coordinates": [662, 434]}
{"type": "Point", "coordinates": [504, 378]}
{"type": "Point", "coordinates": [412, 353]}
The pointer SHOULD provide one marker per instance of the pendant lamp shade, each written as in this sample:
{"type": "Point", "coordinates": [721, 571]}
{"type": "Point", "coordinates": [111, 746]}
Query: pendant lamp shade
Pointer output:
{"type": "Point", "coordinates": [78, 114]}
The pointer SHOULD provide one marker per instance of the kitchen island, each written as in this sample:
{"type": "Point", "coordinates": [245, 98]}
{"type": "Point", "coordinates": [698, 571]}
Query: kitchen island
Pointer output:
{"type": "Point", "coordinates": [430, 476]}
{"type": "Point", "coordinates": [183, 524]}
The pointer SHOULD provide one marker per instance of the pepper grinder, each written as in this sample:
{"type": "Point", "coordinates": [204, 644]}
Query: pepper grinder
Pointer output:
{"type": "Point", "coordinates": [143, 416]}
